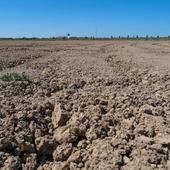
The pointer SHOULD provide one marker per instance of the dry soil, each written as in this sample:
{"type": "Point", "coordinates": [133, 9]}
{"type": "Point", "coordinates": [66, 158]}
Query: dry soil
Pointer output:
{"type": "Point", "coordinates": [88, 105]}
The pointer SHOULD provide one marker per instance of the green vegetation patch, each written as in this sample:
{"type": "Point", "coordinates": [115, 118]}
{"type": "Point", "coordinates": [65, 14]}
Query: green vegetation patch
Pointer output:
{"type": "Point", "coordinates": [14, 77]}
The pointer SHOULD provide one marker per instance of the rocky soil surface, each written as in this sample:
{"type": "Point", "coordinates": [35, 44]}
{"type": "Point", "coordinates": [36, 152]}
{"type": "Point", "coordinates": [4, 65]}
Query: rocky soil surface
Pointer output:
{"type": "Point", "coordinates": [87, 105]}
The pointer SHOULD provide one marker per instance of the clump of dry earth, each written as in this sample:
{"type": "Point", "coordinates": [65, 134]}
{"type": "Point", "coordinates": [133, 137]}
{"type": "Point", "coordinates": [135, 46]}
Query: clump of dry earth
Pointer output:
{"type": "Point", "coordinates": [88, 106]}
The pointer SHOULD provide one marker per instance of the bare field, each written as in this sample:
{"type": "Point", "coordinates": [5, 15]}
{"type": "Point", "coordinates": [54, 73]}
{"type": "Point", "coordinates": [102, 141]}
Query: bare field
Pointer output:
{"type": "Point", "coordinates": [89, 105]}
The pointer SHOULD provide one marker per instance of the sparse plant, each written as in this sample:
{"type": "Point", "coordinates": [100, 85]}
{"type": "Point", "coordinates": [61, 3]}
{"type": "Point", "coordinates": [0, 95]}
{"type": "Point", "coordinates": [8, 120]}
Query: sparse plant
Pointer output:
{"type": "Point", "coordinates": [14, 77]}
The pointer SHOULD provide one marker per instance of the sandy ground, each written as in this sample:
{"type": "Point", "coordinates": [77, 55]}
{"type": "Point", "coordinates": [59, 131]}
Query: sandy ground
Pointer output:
{"type": "Point", "coordinates": [88, 105]}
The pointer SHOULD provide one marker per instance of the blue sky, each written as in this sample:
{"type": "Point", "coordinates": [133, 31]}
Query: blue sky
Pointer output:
{"type": "Point", "coordinates": [45, 18]}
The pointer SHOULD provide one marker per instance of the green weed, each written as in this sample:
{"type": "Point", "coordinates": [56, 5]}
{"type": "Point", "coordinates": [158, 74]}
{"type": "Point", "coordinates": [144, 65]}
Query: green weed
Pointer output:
{"type": "Point", "coordinates": [14, 77]}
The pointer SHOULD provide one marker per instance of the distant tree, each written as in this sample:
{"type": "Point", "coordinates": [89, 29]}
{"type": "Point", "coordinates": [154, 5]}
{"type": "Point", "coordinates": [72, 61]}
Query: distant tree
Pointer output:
{"type": "Point", "coordinates": [24, 38]}
{"type": "Point", "coordinates": [157, 37]}
{"type": "Point", "coordinates": [147, 37]}
{"type": "Point", "coordinates": [169, 36]}
{"type": "Point", "coordinates": [137, 37]}
{"type": "Point", "coordinates": [64, 38]}
{"type": "Point", "coordinates": [128, 37]}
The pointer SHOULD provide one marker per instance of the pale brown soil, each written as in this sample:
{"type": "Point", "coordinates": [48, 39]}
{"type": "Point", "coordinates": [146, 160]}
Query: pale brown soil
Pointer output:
{"type": "Point", "coordinates": [89, 105]}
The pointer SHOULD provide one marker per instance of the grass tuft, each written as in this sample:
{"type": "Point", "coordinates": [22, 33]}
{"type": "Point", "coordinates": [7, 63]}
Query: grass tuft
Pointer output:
{"type": "Point", "coordinates": [14, 77]}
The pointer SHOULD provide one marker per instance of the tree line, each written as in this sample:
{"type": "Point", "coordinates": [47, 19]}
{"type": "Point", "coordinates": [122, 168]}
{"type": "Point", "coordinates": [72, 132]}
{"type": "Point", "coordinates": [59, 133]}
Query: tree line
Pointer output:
{"type": "Point", "coordinates": [94, 38]}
